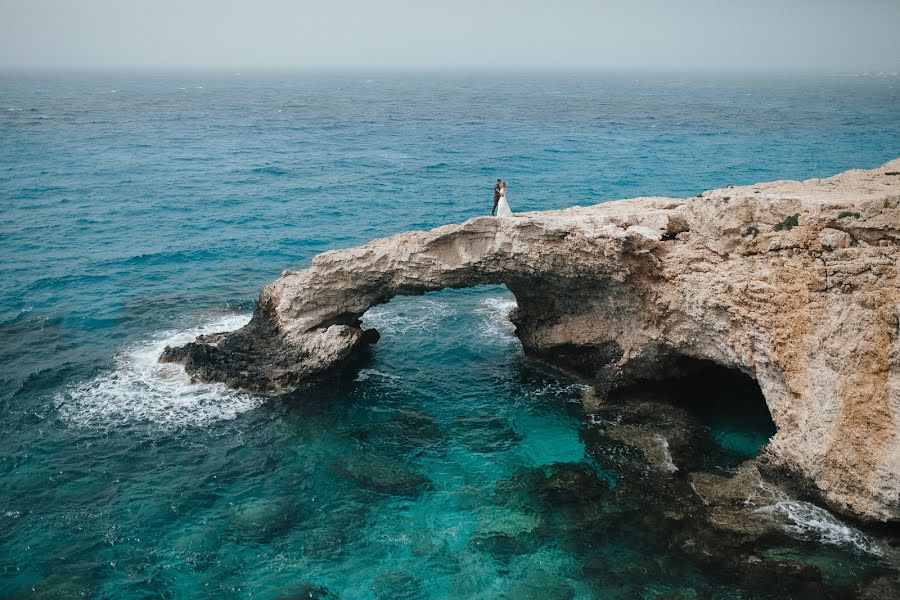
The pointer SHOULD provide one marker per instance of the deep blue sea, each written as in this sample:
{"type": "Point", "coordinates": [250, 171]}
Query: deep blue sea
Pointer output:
{"type": "Point", "coordinates": [141, 209]}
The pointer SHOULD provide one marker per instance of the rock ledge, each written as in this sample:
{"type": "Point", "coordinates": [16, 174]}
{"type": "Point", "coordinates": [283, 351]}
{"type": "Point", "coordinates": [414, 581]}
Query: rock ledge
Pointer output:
{"type": "Point", "coordinates": [794, 283]}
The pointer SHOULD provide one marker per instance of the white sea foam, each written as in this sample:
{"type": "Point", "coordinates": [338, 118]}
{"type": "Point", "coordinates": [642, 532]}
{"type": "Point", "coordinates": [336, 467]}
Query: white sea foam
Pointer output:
{"type": "Point", "coordinates": [562, 389]}
{"type": "Point", "coordinates": [667, 456]}
{"type": "Point", "coordinates": [809, 522]}
{"type": "Point", "coordinates": [140, 389]}
{"type": "Point", "coordinates": [369, 373]}
{"type": "Point", "coordinates": [494, 313]}
{"type": "Point", "coordinates": [422, 315]}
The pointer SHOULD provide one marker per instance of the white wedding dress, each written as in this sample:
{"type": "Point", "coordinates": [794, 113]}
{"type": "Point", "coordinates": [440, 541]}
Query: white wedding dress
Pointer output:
{"type": "Point", "coordinates": [503, 207]}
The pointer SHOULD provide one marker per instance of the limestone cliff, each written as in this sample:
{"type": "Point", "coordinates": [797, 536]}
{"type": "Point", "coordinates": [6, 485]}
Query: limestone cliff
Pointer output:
{"type": "Point", "coordinates": [794, 283]}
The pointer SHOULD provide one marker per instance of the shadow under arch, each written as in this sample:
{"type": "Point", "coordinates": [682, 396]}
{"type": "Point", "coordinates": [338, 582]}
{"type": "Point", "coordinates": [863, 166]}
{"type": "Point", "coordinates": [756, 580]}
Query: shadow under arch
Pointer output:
{"type": "Point", "coordinates": [726, 403]}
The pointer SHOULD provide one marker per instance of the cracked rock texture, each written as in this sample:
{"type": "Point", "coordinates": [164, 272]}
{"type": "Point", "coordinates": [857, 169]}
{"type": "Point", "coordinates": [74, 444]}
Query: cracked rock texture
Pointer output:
{"type": "Point", "coordinates": [794, 283]}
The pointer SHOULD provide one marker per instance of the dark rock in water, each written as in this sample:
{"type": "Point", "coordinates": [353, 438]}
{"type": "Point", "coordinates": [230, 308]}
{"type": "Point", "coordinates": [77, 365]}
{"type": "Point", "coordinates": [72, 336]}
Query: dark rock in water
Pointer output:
{"type": "Point", "coordinates": [383, 474]}
{"type": "Point", "coordinates": [647, 418]}
{"type": "Point", "coordinates": [262, 519]}
{"type": "Point", "coordinates": [503, 546]}
{"type": "Point", "coordinates": [306, 591]}
{"type": "Point", "coordinates": [562, 484]}
{"type": "Point", "coordinates": [585, 360]}
{"type": "Point", "coordinates": [731, 501]}
{"type": "Point", "coordinates": [77, 579]}
{"type": "Point", "coordinates": [570, 498]}
{"type": "Point", "coordinates": [538, 584]}
{"type": "Point", "coordinates": [786, 579]}
{"type": "Point", "coordinates": [397, 585]}
{"type": "Point", "coordinates": [406, 430]}
{"type": "Point", "coordinates": [485, 433]}
{"type": "Point", "coordinates": [629, 573]}
{"type": "Point", "coordinates": [626, 459]}
{"type": "Point", "coordinates": [572, 484]}
{"type": "Point", "coordinates": [641, 484]}
{"type": "Point", "coordinates": [327, 535]}
{"type": "Point", "coordinates": [880, 588]}
{"type": "Point", "coordinates": [684, 595]}
{"type": "Point", "coordinates": [260, 358]}
{"type": "Point", "coordinates": [416, 420]}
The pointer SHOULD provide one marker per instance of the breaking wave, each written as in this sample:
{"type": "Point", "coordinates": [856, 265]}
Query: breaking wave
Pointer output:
{"type": "Point", "coordinates": [400, 318]}
{"type": "Point", "coordinates": [494, 313]}
{"type": "Point", "coordinates": [810, 523]}
{"type": "Point", "coordinates": [365, 374]}
{"type": "Point", "coordinates": [139, 389]}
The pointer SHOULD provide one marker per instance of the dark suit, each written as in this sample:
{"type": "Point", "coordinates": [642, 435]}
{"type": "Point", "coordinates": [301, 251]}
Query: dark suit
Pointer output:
{"type": "Point", "coordinates": [496, 198]}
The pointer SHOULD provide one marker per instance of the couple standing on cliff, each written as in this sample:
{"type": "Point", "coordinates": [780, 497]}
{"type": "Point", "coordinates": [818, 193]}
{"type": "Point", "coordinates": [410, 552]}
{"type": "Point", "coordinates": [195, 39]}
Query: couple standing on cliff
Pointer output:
{"type": "Point", "coordinates": [501, 207]}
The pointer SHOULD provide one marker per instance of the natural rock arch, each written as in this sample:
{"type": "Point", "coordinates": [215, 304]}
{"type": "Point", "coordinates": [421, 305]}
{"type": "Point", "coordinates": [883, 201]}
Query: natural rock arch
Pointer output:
{"type": "Point", "coordinates": [794, 283]}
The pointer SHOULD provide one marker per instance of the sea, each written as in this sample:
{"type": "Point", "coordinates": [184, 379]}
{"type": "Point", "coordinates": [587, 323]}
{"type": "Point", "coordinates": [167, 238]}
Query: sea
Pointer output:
{"type": "Point", "coordinates": [138, 210]}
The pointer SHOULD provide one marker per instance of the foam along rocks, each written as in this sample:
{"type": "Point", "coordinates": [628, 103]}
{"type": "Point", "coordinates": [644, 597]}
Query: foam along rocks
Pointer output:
{"type": "Point", "coordinates": [139, 389]}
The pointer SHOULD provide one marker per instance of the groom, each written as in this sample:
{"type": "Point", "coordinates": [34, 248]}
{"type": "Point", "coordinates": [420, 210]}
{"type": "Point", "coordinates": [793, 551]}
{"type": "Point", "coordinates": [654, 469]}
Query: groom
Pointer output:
{"type": "Point", "coordinates": [496, 197]}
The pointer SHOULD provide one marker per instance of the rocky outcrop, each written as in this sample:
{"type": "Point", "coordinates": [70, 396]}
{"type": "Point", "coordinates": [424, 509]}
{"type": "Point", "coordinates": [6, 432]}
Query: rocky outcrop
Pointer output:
{"type": "Point", "coordinates": [794, 283]}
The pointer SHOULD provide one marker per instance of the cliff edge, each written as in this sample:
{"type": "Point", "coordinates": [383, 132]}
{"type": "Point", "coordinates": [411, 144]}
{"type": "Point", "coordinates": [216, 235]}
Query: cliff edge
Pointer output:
{"type": "Point", "coordinates": [796, 284]}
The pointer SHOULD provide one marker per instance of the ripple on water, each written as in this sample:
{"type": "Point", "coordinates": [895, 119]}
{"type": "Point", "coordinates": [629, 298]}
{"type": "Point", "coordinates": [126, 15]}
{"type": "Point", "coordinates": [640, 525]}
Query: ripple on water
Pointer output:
{"type": "Point", "coordinates": [423, 315]}
{"type": "Point", "coordinates": [139, 389]}
{"type": "Point", "coordinates": [495, 324]}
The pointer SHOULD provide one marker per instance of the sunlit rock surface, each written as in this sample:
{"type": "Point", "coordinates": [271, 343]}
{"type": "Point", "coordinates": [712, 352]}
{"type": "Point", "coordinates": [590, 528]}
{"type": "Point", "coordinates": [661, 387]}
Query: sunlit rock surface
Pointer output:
{"type": "Point", "coordinates": [794, 283]}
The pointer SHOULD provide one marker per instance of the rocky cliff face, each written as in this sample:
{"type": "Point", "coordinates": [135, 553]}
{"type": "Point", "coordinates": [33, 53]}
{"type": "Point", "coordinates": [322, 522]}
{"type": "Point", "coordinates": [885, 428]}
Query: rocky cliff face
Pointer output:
{"type": "Point", "coordinates": [794, 283]}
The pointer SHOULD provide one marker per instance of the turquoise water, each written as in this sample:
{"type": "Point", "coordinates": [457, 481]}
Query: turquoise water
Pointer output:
{"type": "Point", "coordinates": [140, 210]}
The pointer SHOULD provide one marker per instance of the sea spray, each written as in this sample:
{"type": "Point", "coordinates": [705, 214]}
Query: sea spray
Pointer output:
{"type": "Point", "coordinates": [423, 315]}
{"type": "Point", "coordinates": [140, 389]}
{"type": "Point", "coordinates": [808, 522]}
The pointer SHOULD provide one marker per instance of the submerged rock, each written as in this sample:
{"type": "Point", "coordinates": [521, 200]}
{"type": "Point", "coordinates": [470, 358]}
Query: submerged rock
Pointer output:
{"type": "Point", "coordinates": [569, 498]}
{"type": "Point", "coordinates": [667, 435]}
{"type": "Point", "coordinates": [770, 279]}
{"type": "Point", "coordinates": [306, 591]}
{"type": "Point", "coordinates": [397, 585]}
{"type": "Point", "coordinates": [262, 518]}
{"type": "Point", "coordinates": [538, 584]}
{"type": "Point", "coordinates": [503, 547]}
{"type": "Point", "coordinates": [508, 521]}
{"type": "Point", "coordinates": [881, 587]}
{"type": "Point", "coordinates": [561, 484]}
{"type": "Point", "coordinates": [383, 475]}
{"type": "Point", "coordinates": [485, 433]}
{"type": "Point", "coordinates": [572, 485]}
{"type": "Point", "coordinates": [732, 502]}
{"type": "Point", "coordinates": [405, 431]}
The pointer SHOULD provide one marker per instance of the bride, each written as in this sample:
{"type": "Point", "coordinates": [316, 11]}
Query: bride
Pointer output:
{"type": "Point", "coordinates": [502, 204]}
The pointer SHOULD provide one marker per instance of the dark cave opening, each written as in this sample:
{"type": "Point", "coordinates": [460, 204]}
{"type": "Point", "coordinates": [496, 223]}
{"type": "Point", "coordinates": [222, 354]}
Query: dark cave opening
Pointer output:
{"type": "Point", "coordinates": [727, 403]}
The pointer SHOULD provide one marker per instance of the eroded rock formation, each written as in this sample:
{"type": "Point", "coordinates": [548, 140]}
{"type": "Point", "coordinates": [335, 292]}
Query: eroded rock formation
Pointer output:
{"type": "Point", "coordinates": [794, 283]}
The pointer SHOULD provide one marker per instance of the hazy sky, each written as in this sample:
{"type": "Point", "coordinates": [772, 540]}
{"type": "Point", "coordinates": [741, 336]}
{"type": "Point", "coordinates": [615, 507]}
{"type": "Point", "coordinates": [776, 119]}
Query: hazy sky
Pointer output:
{"type": "Point", "coordinates": [572, 34]}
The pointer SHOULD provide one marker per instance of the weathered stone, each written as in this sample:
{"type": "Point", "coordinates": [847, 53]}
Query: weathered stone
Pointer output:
{"type": "Point", "coordinates": [834, 239]}
{"type": "Point", "coordinates": [731, 501]}
{"type": "Point", "coordinates": [623, 289]}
